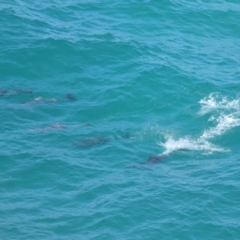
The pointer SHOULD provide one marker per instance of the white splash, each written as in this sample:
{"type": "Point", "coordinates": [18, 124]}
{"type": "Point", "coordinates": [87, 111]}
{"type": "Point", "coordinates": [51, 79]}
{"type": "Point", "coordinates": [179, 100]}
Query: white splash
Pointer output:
{"type": "Point", "coordinates": [217, 102]}
{"type": "Point", "coordinates": [225, 113]}
{"type": "Point", "coordinates": [186, 143]}
{"type": "Point", "coordinates": [224, 124]}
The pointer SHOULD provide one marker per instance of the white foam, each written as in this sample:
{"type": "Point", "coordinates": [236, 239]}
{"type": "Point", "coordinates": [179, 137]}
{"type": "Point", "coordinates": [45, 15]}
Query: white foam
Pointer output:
{"type": "Point", "coordinates": [186, 143]}
{"type": "Point", "coordinates": [217, 102]}
{"type": "Point", "coordinates": [224, 124]}
{"type": "Point", "coordinates": [225, 115]}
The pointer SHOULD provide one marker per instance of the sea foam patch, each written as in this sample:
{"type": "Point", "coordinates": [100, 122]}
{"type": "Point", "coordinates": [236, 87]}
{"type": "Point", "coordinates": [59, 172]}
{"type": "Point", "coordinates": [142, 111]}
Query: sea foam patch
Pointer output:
{"type": "Point", "coordinates": [216, 101]}
{"type": "Point", "coordinates": [187, 143]}
{"type": "Point", "coordinates": [224, 123]}
{"type": "Point", "coordinates": [225, 115]}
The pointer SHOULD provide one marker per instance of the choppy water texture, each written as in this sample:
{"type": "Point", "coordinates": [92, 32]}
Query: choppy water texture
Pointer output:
{"type": "Point", "coordinates": [90, 89]}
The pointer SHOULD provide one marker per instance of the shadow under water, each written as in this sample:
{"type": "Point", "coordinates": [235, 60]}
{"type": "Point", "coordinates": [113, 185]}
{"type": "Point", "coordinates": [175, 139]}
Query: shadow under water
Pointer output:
{"type": "Point", "coordinates": [92, 141]}
{"type": "Point", "coordinates": [40, 100]}
{"type": "Point", "coordinates": [155, 159]}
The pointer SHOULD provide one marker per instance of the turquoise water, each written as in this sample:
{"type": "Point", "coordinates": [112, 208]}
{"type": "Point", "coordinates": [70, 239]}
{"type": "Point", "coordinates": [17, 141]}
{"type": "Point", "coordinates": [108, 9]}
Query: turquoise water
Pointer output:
{"type": "Point", "coordinates": [89, 90]}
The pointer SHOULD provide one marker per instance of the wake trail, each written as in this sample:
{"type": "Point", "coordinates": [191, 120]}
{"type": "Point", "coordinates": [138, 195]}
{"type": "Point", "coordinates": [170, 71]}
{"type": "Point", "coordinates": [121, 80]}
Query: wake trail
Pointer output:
{"type": "Point", "coordinates": [225, 113]}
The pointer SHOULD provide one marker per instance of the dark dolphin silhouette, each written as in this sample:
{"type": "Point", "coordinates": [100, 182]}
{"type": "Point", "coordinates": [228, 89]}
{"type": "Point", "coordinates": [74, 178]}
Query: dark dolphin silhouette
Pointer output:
{"type": "Point", "coordinates": [10, 92]}
{"type": "Point", "coordinates": [70, 97]}
{"type": "Point", "coordinates": [51, 127]}
{"type": "Point", "coordinates": [92, 141]}
{"type": "Point", "coordinates": [158, 158]}
{"type": "Point", "coordinates": [14, 92]}
{"type": "Point", "coordinates": [89, 142]}
{"type": "Point", "coordinates": [41, 100]}
{"type": "Point", "coordinates": [154, 159]}
{"type": "Point", "coordinates": [3, 92]}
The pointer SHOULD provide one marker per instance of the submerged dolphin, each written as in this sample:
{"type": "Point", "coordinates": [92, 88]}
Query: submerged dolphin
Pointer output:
{"type": "Point", "coordinates": [89, 142]}
{"type": "Point", "coordinates": [3, 92]}
{"type": "Point", "coordinates": [70, 97]}
{"type": "Point", "coordinates": [14, 92]}
{"type": "Point", "coordinates": [157, 158]}
{"type": "Point", "coordinates": [51, 127]}
{"type": "Point", "coordinates": [39, 100]}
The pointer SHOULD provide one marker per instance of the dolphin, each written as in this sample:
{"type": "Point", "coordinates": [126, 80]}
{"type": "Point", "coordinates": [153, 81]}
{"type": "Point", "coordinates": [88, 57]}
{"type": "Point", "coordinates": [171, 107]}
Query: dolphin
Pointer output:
{"type": "Point", "coordinates": [89, 142]}
{"type": "Point", "coordinates": [51, 127]}
{"type": "Point", "coordinates": [41, 100]}
{"type": "Point", "coordinates": [14, 92]}
{"type": "Point", "coordinates": [155, 159]}
{"type": "Point", "coordinates": [160, 157]}
{"type": "Point", "coordinates": [3, 92]}
{"type": "Point", "coordinates": [70, 97]}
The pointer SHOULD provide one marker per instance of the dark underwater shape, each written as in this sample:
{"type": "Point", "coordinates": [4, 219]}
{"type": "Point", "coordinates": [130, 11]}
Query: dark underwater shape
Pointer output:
{"type": "Point", "coordinates": [14, 92]}
{"type": "Point", "coordinates": [51, 127]}
{"type": "Point", "coordinates": [3, 92]}
{"type": "Point", "coordinates": [155, 159]}
{"type": "Point", "coordinates": [152, 159]}
{"type": "Point", "coordinates": [158, 158]}
{"type": "Point", "coordinates": [40, 100]}
{"type": "Point", "coordinates": [37, 100]}
{"type": "Point", "coordinates": [70, 97]}
{"type": "Point", "coordinates": [89, 142]}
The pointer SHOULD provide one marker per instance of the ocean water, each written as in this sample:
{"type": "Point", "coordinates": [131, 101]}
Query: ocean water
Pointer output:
{"type": "Point", "coordinates": [90, 89]}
